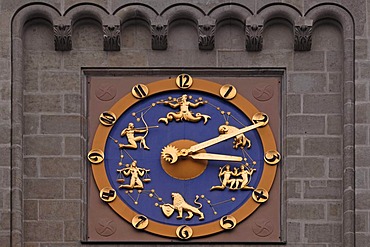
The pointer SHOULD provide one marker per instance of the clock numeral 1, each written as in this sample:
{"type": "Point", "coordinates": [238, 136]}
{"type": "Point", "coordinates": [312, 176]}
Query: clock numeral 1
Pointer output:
{"type": "Point", "coordinates": [228, 91]}
{"type": "Point", "coordinates": [95, 156]}
{"type": "Point", "coordinates": [228, 222]}
{"type": "Point", "coordinates": [184, 232]}
{"type": "Point", "coordinates": [108, 194]}
{"type": "Point", "coordinates": [272, 157]}
{"type": "Point", "coordinates": [107, 118]}
{"type": "Point", "coordinates": [184, 81]}
{"type": "Point", "coordinates": [140, 91]}
{"type": "Point", "coordinates": [140, 222]}
{"type": "Point", "coordinates": [260, 195]}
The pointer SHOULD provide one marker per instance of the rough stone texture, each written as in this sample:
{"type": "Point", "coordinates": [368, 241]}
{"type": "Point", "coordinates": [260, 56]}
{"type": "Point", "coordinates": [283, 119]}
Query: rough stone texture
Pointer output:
{"type": "Point", "coordinates": [313, 115]}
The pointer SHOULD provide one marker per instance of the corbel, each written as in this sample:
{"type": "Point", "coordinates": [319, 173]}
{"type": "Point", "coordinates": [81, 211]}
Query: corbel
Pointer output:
{"type": "Point", "coordinates": [111, 33]}
{"type": "Point", "coordinates": [159, 31]}
{"type": "Point", "coordinates": [62, 34]}
{"type": "Point", "coordinates": [206, 33]}
{"type": "Point", "coordinates": [303, 34]}
{"type": "Point", "coordinates": [253, 33]}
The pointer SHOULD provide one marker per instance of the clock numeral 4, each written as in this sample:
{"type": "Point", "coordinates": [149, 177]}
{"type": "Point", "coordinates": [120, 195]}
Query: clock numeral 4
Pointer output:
{"type": "Point", "coordinates": [184, 81]}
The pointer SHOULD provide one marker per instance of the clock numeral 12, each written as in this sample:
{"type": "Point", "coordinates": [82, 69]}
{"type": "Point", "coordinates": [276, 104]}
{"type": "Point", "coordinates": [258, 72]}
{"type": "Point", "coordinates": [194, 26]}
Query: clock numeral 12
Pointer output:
{"type": "Point", "coordinates": [184, 81]}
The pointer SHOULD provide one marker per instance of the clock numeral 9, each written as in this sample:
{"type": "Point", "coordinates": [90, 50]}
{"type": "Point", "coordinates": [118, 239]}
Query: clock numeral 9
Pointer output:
{"type": "Point", "coordinates": [228, 91]}
{"type": "Point", "coordinates": [95, 156]}
{"type": "Point", "coordinates": [107, 118]}
{"type": "Point", "coordinates": [184, 81]}
{"type": "Point", "coordinates": [140, 91]}
{"type": "Point", "coordinates": [184, 232]}
{"type": "Point", "coordinates": [108, 194]}
{"type": "Point", "coordinates": [228, 222]}
{"type": "Point", "coordinates": [140, 222]}
{"type": "Point", "coordinates": [272, 157]}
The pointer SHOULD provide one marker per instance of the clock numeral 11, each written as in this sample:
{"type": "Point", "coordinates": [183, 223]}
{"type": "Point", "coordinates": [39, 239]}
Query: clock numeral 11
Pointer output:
{"type": "Point", "coordinates": [140, 91]}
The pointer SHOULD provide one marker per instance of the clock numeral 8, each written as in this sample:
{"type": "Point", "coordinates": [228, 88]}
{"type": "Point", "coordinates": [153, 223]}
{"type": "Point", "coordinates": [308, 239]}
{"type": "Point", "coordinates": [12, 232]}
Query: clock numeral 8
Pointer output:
{"type": "Point", "coordinates": [184, 81]}
{"type": "Point", "coordinates": [184, 232]}
{"type": "Point", "coordinates": [140, 91]}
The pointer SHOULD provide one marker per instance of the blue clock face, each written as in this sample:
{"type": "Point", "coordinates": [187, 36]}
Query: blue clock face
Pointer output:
{"type": "Point", "coordinates": [184, 157]}
{"type": "Point", "coordinates": [158, 185]}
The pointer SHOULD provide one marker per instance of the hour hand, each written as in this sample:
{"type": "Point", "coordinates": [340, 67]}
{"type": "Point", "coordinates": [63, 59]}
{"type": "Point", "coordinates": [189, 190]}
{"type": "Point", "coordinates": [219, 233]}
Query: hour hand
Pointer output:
{"type": "Point", "coordinates": [210, 156]}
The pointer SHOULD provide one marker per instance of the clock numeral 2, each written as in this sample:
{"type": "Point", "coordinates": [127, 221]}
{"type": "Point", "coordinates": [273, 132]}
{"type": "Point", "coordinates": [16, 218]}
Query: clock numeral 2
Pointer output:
{"type": "Point", "coordinates": [140, 91]}
{"type": "Point", "coordinates": [184, 81]}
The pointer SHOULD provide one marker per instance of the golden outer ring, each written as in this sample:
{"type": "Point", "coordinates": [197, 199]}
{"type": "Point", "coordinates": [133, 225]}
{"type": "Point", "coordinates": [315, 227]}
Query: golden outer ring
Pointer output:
{"type": "Point", "coordinates": [266, 135]}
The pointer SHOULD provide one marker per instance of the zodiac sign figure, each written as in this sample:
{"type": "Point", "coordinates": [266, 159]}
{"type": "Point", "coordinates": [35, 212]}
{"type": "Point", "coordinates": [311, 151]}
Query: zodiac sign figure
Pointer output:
{"type": "Point", "coordinates": [184, 113]}
{"type": "Point", "coordinates": [129, 132]}
{"type": "Point", "coordinates": [239, 141]}
{"type": "Point", "coordinates": [135, 173]}
{"type": "Point", "coordinates": [181, 206]}
{"type": "Point", "coordinates": [236, 179]}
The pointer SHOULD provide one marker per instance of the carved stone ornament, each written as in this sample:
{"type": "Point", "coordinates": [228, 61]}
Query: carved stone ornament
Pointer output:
{"type": "Point", "coordinates": [254, 38]}
{"type": "Point", "coordinates": [206, 39]}
{"type": "Point", "coordinates": [112, 37]}
{"type": "Point", "coordinates": [302, 38]}
{"type": "Point", "coordinates": [63, 37]}
{"type": "Point", "coordinates": [159, 37]}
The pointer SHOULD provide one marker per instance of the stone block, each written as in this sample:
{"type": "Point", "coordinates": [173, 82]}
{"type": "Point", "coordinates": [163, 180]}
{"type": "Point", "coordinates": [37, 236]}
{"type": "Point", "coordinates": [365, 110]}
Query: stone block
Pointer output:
{"type": "Point", "coordinates": [5, 174]}
{"type": "Point", "coordinates": [362, 221]}
{"type": "Point", "coordinates": [5, 111]}
{"type": "Point", "coordinates": [361, 91]}
{"type": "Point", "coordinates": [334, 61]}
{"type": "Point", "coordinates": [305, 124]}
{"type": "Point", "coordinates": [362, 113]}
{"type": "Point", "coordinates": [323, 103]}
{"type": "Point", "coordinates": [72, 145]}
{"type": "Point", "coordinates": [72, 230]}
{"type": "Point", "coordinates": [294, 104]}
{"type": "Point", "coordinates": [58, 81]}
{"type": "Point", "coordinates": [364, 72]}
{"type": "Point", "coordinates": [72, 103]}
{"type": "Point", "coordinates": [5, 156]}
{"type": "Point", "coordinates": [5, 240]}
{"type": "Point", "coordinates": [59, 210]}
{"type": "Point", "coordinates": [31, 209]}
{"type": "Point", "coordinates": [31, 124]}
{"type": "Point", "coordinates": [60, 167]}
{"type": "Point", "coordinates": [334, 211]}
{"type": "Point", "coordinates": [334, 125]}
{"type": "Point", "coordinates": [73, 188]}
{"type": "Point", "coordinates": [323, 233]}
{"type": "Point", "coordinates": [305, 211]}
{"type": "Point", "coordinates": [293, 232]}
{"type": "Point", "coordinates": [322, 189]}
{"type": "Point", "coordinates": [362, 178]}
{"type": "Point", "coordinates": [335, 82]}
{"type": "Point", "coordinates": [5, 131]}
{"type": "Point", "coordinates": [293, 146]}
{"type": "Point", "coordinates": [5, 220]}
{"type": "Point", "coordinates": [60, 124]}
{"type": "Point", "coordinates": [362, 239]}
{"type": "Point", "coordinates": [87, 35]}
{"type": "Point", "coordinates": [42, 103]}
{"type": "Point", "coordinates": [43, 231]}
{"type": "Point", "coordinates": [335, 168]}
{"type": "Point", "coordinates": [30, 168]}
{"type": "Point", "coordinates": [326, 146]}
{"type": "Point", "coordinates": [182, 58]}
{"type": "Point", "coordinates": [78, 59]}
{"type": "Point", "coordinates": [305, 167]}
{"type": "Point", "coordinates": [362, 156]}
{"type": "Point", "coordinates": [294, 189]}
{"type": "Point", "coordinates": [326, 37]}
{"type": "Point", "coordinates": [361, 48]}
{"type": "Point", "coordinates": [5, 89]}
{"type": "Point", "coordinates": [43, 188]}
{"type": "Point", "coordinates": [316, 58]}
{"type": "Point", "coordinates": [42, 145]}
{"type": "Point", "coordinates": [362, 199]}
{"type": "Point", "coordinates": [307, 83]}
{"type": "Point", "coordinates": [132, 58]}
{"type": "Point", "coordinates": [362, 134]}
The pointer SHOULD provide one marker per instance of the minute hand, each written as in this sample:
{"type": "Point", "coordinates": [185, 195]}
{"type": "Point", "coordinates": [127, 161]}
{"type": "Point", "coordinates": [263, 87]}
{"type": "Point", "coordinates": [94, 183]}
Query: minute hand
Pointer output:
{"type": "Point", "coordinates": [224, 137]}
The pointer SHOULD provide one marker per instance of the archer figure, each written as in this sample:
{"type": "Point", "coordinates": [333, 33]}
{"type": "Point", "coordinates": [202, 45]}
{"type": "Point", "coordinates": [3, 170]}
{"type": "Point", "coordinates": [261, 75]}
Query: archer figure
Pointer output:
{"type": "Point", "coordinates": [184, 113]}
{"type": "Point", "coordinates": [129, 132]}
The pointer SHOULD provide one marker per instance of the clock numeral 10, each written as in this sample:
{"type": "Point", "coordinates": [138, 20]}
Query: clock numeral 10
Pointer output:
{"type": "Point", "coordinates": [95, 156]}
{"type": "Point", "coordinates": [140, 222]}
{"type": "Point", "coordinates": [184, 81]}
{"type": "Point", "coordinates": [228, 222]}
{"type": "Point", "coordinates": [108, 194]}
{"type": "Point", "coordinates": [107, 118]}
{"type": "Point", "coordinates": [228, 91]}
{"type": "Point", "coordinates": [184, 232]}
{"type": "Point", "coordinates": [140, 91]}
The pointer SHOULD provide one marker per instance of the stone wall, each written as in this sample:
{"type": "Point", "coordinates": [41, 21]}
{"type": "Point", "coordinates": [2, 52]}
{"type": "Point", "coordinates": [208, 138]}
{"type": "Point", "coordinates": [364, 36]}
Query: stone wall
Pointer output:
{"type": "Point", "coordinates": [326, 115]}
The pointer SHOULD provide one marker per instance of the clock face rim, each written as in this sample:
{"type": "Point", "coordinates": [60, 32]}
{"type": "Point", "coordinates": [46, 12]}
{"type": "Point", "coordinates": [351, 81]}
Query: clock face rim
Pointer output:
{"type": "Point", "coordinates": [123, 104]}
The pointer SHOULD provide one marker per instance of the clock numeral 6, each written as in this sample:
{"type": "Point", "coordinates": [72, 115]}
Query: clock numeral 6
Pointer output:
{"type": "Point", "coordinates": [184, 81]}
{"type": "Point", "coordinates": [228, 222]}
{"type": "Point", "coordinates": [95, 156]}
{"type": "Point", "coordinates": [272, 157]}
{"type": "Point", "coordinates": [140, 222]}
{"type": "Point", "coordinates": [108, 194]}
{"type": "Point", "coordinates": [107, 118]}
{"type": "Point", "coordinates": [228, 91]}
{"type": "Point", "coordinates": [140, 91]}
{"type": "Point", "coordinates": [184, 232]}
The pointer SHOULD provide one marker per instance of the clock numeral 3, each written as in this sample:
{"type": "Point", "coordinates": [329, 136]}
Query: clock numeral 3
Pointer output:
{"type": "Point", "coordinates": [140, 91]}
{"type": "Point", "coordinates": [184, 81]}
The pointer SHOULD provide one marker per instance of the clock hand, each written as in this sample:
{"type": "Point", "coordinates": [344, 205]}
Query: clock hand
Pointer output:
{"type": "Point", "coordinates": [260, 119]}
{"type": "Point", "coordinates": [210, 156]}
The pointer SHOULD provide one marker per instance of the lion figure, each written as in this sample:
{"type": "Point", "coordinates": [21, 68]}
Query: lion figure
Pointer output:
{"type": "Point", "coordinates": [181, 205]}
